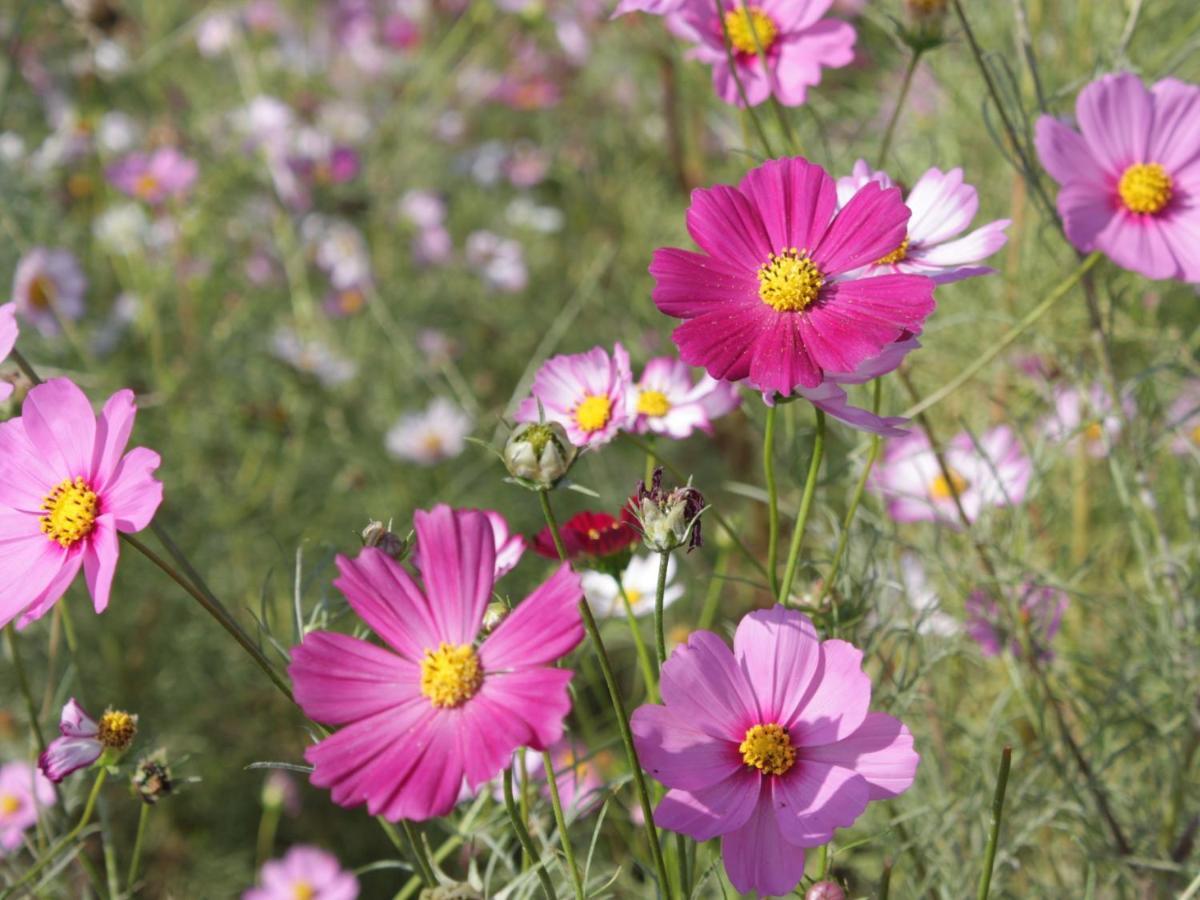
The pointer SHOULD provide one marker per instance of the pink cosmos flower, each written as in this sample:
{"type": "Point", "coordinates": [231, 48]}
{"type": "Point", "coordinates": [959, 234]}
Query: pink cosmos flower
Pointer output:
{"type": "Point", "coordinates": [1041, 606]}
{"type": "Point", "coordinates": [8, 340]}
{"type": "Point", "coordinates": [668, 403]}
{"type": "Point", "coordinates": [1086, 416]}
{"type": "Point", "coordinates": [1130, 176]}
{"type": "Point", "coordinates": [1183, 418]}
{"type": "Point", "coordinates": [942, 206]}
{"type": "Point", "coordinates": [48, 284]}
{"type": "Point", "coordinates": [589, 394]}
{"type": "Point", "coordinates": [775, 298]}
{"type": "Point", "coordinates": [82, 740]}
{"type": "Point", "coordinates": [769, 746]}
{"type": "Point", "coordinates": [67, 487]}
{"type": "Point", "coordinates": [304, 873]}
{"type": "Point", "coordinates": [154, 178]}
{"type": "Point", "coordinates": [993, 474]}
{"type": "Point", "coordinates": [23, 791]}
{"type": "Point", "coordinates": [433, 435]}
{"type": "Point", "coordinates": [795, 40]}
{"type": "Point", "coordinates": [433, 707]}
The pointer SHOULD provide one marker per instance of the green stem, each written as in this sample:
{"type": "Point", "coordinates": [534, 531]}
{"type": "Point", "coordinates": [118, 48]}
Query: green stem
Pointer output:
{"type": "Point", "coordinates": [523, 837]}
{"type": "Point", "coordinates": [136, 858]}
{"type": "Point", "coordinates": [890, 131]}
{"type": "Point", "coordinates": [10, 634]}
{"type": "Point", "coordinates": [768, 464]}
{"type": "Point", "coordinates": [737, 80]}
{"type": "Point", "coordinates": [660, 635]}
{"type": "Point", "coordinates": [561, 820]}
{"type": "Point", "coordinates": [989, 858]}
{"type": "Point", "coordinates": [267, 826]}
{"type": "Point", "coordinates": [643, 652]}
{"type": "Point", "coordinates": [810, 488]}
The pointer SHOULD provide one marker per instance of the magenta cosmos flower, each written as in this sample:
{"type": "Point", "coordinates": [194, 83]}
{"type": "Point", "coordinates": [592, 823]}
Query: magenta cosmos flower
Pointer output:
{"type": "Point", "coordinates": [942, 206]}
{"type": "Point", "coordinates": [774, 298]}
{"type": "Point", "coordinates": [67, 487]}
{"type": "Point", "coordinates": [769, 746]}
{"type": "Point", "coordinates": [23, 791]}
{"type": "Point", "coordinates": [82, 740]}
{"type": "Point", "coordinates": [589, 394]}
{"type": "Point", "coordinates": [8, 340]}
{"type": "Point", "coordinates": [304, 873]}
{"type": "Point", "coordinates": [994, 473]}
{"type": "Point", "coordinates": [49, 285]}
{"type": "Point", "coordinates": [1130, 176]}
{"type": "Point", "coordinates": [795, 41]}
{"type": "Point", "coordinates": [165, 174]}
{"type": "Point", "coordinates": [434, 706]}
{"type": "Point", "coordinates": [668, 403]}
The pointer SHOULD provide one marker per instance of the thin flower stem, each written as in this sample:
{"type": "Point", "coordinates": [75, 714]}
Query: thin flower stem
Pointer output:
{"type": "Point", "coordinates": [768, 464]}
{"type": "Point", "coordinates": [522, 832]}
{"type": "Point", "coordinates": [810, 488]}
{"type": "Point", "coordinates": [789, 136]}
{"type": "Point", "coordinates": [10, 634]}
{"type": "Point", "coordinates": [560, 819]}
{"type": "Point", "coordinates": [136, 857]}
{"type": "Point", "coordinates": [989, 858]}
{"type": "Point", "coordinates": [886, 144]}
{"type": "Point", "coordinates": [737, 80]}
{"type": "Point", "coordinates": [618, 703]}
{"type": "Point", "coordinates": [643, 652]}
{"type": "Point", "coordinates": [268, 823]}
{"type": "Point", "coordinates": [885, 880]}
{"type": "Point", "coordinates": [660, 635]}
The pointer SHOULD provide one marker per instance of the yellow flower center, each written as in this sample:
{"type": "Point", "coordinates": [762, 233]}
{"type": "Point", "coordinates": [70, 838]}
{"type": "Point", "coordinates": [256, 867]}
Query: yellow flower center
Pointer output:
{"type": "Point", "coordinates": [10, 804]}
{"type": "Point", "coordinates": [116, 729]}
{"type": "Point", "coordinates": [593, 413]}
{"type": "Point", "coordinates": [634, 596]}
{"type": "Point", "coordinates": [941, 489]}
{"type": "Point", "coordinates": [768, 749]}
{"type": "Point", "coordinates": [146, 186]}
{"type": "Point", "coordinates": [1094, 432]}
{"type": "Point", "coordinates": [653, 403]}
{"type": "Point", "coordinates": [790, 281]}
{"type": "Point", "coordinates": [71, 510]}
{"type": "Point", "coordinates": [42, 292]}
{"type": "Point", "coordinates": [450, 675]}
{"type": "Point", "coordinates": [1196, 435]}
{"type": "Point", "coordinates": [898, 255]}
{"type": "Point", "coordinates": [1145, 188]}
{"type": "Point", "coordinates": [745, 24]}
{"type": "Point", "coordinates": [433, 445]}
{"type": "Point", "coordinates": [302, 890]}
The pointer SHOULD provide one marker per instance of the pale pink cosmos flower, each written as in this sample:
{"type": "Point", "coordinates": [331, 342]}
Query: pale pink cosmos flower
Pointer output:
{"type": "Point", "coordinates": [1130, 176]}
{"type": "Point", "coordinates": [154, 178]}
{"type": "Point", "coordinates": [1087, 416]}
{"type": "Point", "coordinates": [8, 340]}
{"type": "Point", "coordinates": [48, 285]}
{"type": "Point", "coordinates": [668, 403]}
{"type": "Point", "coordinates": [770, 746]}
{"type": "Point", "coordinates": [433, 435]}
{"type": "Point", "coordinates": [1183, 418]}
{"type": "Point", "coordinates": [435, 705]}
{"type": "Point", "coordinates": [795, 40]}
{"type": "Point", "coordinates": [304, 873]}
{"type": "Point", "coordinates": [67, 488]}
{"type": "Point", "coordinates": [82, 740]}
{"type": "Point", "coordinates": [589, 394]}
{"type": "Point", "coordinates": [995, 473]}
{"type": "Point", "coordinates": [942, 206]}
{"type": "Point", "coordinates": [989, 626]}
{"type": "Point", "coordinates": [23, 791]}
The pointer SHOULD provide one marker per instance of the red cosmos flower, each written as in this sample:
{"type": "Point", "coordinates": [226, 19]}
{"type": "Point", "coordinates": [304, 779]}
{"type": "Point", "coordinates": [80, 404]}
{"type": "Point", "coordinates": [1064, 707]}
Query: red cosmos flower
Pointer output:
{"type": "Point", "coordinates": [589, 535]}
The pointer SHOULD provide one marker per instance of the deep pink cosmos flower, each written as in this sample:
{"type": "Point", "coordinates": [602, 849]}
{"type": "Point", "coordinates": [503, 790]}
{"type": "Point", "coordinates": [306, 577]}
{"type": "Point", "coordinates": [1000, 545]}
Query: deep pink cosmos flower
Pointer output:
{"type": "Point", "coordinates": [942, 206]}
{"type": "Point", "coordinates": [795, 40]}
{"type": "Point", "coordinates": [304, 873]}
{"type": "Point", "coordinates": [48, 285]}
{"type": "Point", "coordinates": [165, 174]}
{"type": "Point", "coordinates": [67, 487]}
{"type": "Point", "coordinates": [587, 393]}
{"type": "Point", "coordinates": [23, 791]}
{"type": "Point", "coordinates": [82, 740]}
{"type": "Point", "coordinates": [769, 746]}
{"type": "Point", "coordinates": [433, 706]}
{"type": "Point", "coordinates": [668, 403]}
{"type": "Point", "coordinates": [1131, 175]}
{"type": "Point", "coordinates": [773, 297]}
{"type": "Point", "coordinates": [8, 340]}
{"type": "Point", "coordinates": [1042, 607]}
{"type": "Point", "coordinates": [995, 473]}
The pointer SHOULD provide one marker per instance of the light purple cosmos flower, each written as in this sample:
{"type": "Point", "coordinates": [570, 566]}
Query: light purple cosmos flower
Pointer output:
{"type": "Point", "coordinates": [48, 285]}
{"type": "Point", "coordinates": [669, 403]}
{"type": "Point", "coordinates": [1183, 418]}
{"type": "Point", "coordinates": [82, 740]}
{"type": "Point", "coordinates": [8, 340]}
{"type": "Point", "coordinates": [1086, 416]}
{"type": "Point", "coordinates": [923, 599]}
{"type": "Point", "coordinates": [1041, 607]}
{"type": "Point", "coordinates": [431, 436]}
{"type": "Point", "coordinates": [23, 791]}
{"type": "Point", "coordinates": [154, 178]}
{"type": "Point", "coordinates": [831, 399]}
{"type": "Point", "coordinates": [995, 473]}
{"type": "Point", "coordinates": [1130, 176]}
{"type": "Point", "coordinates": [769, 746]}
{"type": "Point", "coordinates": [943, 206]}
{"type": "Point", "coordinates": [304, 873]}
{"type": "Point", "coordinates": [590, 394]}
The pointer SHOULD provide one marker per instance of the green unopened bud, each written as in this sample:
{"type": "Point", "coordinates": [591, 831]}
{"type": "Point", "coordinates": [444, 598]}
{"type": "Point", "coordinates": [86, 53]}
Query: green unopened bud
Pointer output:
{"type": "Point", "coordinates": [376, 534]}
{"type": "Point", "coordinates": [539, 454]}
{"type": "Point", "coordinates": [668, 519]}
{"type": "Point", "coordinates": [925, 23]}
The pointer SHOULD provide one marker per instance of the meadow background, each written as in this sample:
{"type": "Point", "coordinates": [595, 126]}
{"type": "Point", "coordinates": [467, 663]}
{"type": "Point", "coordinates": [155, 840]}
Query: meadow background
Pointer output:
{"type": "Point", "coordinates": [578, 138]}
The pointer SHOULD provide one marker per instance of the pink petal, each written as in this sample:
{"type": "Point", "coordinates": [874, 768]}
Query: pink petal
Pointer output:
{"type": "Point", "coordinates": [62, 427]}
{"type": "Point", "coordinates": [112, 434]}
{"type": "Point", "coordinates": [726, 225]}
{"type": "Point", "coordinates": [546, 626]}
{"type": "Point", "coordinates": [974, 247]}
{"type": "Point", "coordinates": [870, 226]}
{"type": "Point", "coordinates": [100, 560]}
{"type": "Point", "coordinates": [813, 798]}
{"type": "Point", "coordinates": [1065, 154]}
{"type": "Point", "coordinates": [722, 342]}
{"type": "Point", "coordinates": [705, 813]}
{"type": "Point", "coordinates": [66, 567]}
{"type": "Point", "coordinates": [827, 44]}
{"type": "Point", "coordinates": [795, 198]}
{"type": "Point", "coordinates": [758, 858]}
{"type": "Point", "coordinates": [1115, 114]}
{"type": "Point", "coordinates": [881, 751]}
{"type": "Point", "coordinates": [781, 360]}
{"type": "Point", "coordinates": [679, 755]}
{"type": "Point", "coordinates": [1141, 244]}
{"type": "Point", "coordinates": [389, 601]}
{"type": "Point", "coordinates": [65, 755]}
{"type": "Point", "coordinates": [690, 284]}
{"type": "Point", "coordinates": [75, 722]}
{"type": "Point", "coordinates": [779, 651]}
{"type": "Point", "coordinates": [536, 698]}
{"type": "Point", "coordinates": [1086, 212]}
{"type": "Point", "coordinates": [837, 700]}
{"type": "Point", "coordinates": [133, 495]}
{"type": "Point", "coordinates": [1175, 142]}
{"type": "Point", "coordinates": [457, 557]}
{"type": "Point", "coordinates": [339, 679]}
{"type": "Point", "coordinates": [702, 685]}
{"type": "Point", "coordinates": [26, 477]}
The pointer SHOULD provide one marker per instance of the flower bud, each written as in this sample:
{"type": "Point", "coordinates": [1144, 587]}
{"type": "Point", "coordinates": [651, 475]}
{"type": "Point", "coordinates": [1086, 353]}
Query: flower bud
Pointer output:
{"type": "Point", "coordinates": [825, 890]}
{"type": "Point", "coordinates": [376, 534]}
{"type": "Point", "coordinates": [668, 519]}
{"type": "Point", "coordinates": [495, 613]}
{"type": "Point", "coordinates": [539, 454]}
{"type": "Point", "coordinates": [152, 779]}
{"type": "Point", "coordinates": [925, 24]}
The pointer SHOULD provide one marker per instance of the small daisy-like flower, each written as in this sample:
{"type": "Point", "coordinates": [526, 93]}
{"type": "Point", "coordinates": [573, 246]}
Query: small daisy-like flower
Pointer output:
{"type": "Point", "coordinates": [432, 436]}
{"type": "Point", "coordinates": [48, 285]}
{"type": "Point", "coordinates": [589, 394]}
{"type": "Point", "coordinates": [777, 296]}
{"type": "Point", "coordinates": [1131, 175]}
{"type": "Point", "coordinates": [1086, 416]}
{"type": "Point", "coordinates": [1041, 607]}
{"type": "Point", "coordinates": [993, 474]}
{"type": "Point", "coordinates": [154, 178]}
{"type": "Point", "coordinates": [668, 403]}
{"type": "Point", "coordinates": [8, 340]}
{"type": "Point", "coordinates": [942, 206]}
{"type": "Point", "coordinates": [593, 536]}
{"type": "Point", "coordinates": [796, 42]}
{"type": "Point", "coordinates": [434, 706]}
{"type": "Point", "coordinates": [1183, 418]}
{"type": "Point", "coordinates": [304, 873]}
{"type": "Point", "coordinates": [67, 488]}
{"type": "Point", "coordinates": [23, 791]}
{"type": "Point", "coordinates": [640, 580]}
{"type": "Point", "coordinates": [770, 746]}
{"type": "Point", "coordinates": [82, 740]}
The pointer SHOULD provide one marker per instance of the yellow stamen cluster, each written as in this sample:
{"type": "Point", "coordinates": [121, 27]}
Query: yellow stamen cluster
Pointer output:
{"type": "Point", "coordinates": [898, 255]}
{"type": "Point", "coordinates": [42, 292]}
{"type": "Point", "coordinates": [768, 748]}
{"type": "Point", "coordinates": [747, 22]}
{"type": "Point", "coordinates": [1094, 432]}
{"type": "Point", "coordinates": [790, 281]}
{"type": "Point", "coordinates": [116, 729]}
{"type": "Point", "coordinates": [593, 412]}
{"type": "Point", "coordinates": [1145, 188]}
{"type": "Point", "coordinates": [10, 804]}
{"type": "Point", "coordinates": [146, 186]}
{"type": "Point", "coordinates": [450, 675]}
{"type": "Point", "coordinates": [941, 489]}
{"type": "Point", "coordinates": [71, 510]}
{"type": "Point", "coordinates": [653, 403]}
{"type": "Point", "coordinates": [302, 890]}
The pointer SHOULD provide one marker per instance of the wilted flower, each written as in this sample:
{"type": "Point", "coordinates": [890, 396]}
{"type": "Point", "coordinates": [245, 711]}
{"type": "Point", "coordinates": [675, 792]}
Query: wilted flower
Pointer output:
{"type": "Point", "coordinates": [152, 778]}
{"type": "Point", "coordinates": [539, 452]}
{"type": "Point", "coordinates": [1041, 610]}
{"type": "Point", "coordinates": [304, 873]}
{"type": "Point", "coordinates": [668, 519]}
{"type": "Point", "coordinates": [83, 740]}
{"type": "Point", "coordinates": [23, 791]}
{"type": "Point", "coordinates": [48, 285]}
{"type": "Point", "coordinates": [640, 581]}
{"type": "Point", "coordinates": [433, 435]}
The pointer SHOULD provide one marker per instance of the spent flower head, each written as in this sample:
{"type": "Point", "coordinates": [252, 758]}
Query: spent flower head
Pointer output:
{"type": "Point", "coordinates": [668, 519]}
{"type": "Point", "coordinates": [152, 778]}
